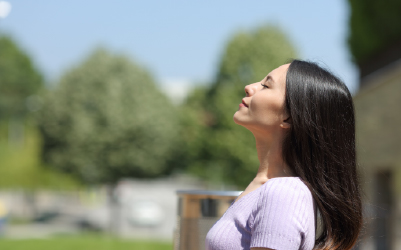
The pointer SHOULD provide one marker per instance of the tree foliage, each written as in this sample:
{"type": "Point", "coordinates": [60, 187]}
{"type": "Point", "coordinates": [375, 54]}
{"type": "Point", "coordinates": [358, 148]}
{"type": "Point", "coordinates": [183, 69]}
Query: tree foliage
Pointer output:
{"type": "Point", "coordinates": [105, 120]}
{"type": "Point", "coordinates": [19, 79]}
{"type": "Point", "coordinates": [374, 25]}
{"type": "Point", "coordinates": [21, 167]}
{"type": "Point", "coordinates": [224, 150]}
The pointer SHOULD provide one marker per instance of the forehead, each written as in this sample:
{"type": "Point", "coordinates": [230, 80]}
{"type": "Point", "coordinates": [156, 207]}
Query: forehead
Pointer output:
{"type": "Point", "coordinates": [279, 74]}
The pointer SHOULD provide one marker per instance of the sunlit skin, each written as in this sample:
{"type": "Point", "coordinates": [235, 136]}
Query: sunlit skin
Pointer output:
{"type": "Point", "coordinates": [262, 112]}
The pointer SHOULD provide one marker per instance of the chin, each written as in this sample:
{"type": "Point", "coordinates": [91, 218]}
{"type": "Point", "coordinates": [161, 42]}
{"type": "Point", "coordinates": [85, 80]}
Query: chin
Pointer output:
{"type": "Point", "coordinates": [238, 120]}
{"type": "Point", "coordinates": [235, 118]}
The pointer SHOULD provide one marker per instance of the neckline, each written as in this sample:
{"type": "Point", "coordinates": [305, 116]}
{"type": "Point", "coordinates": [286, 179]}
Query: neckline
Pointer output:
{"type": "Point", "coordinates": [284, 177]}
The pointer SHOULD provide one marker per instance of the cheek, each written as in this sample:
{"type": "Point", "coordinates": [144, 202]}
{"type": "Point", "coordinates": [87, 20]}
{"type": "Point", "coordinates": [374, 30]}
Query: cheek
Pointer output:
{"type": "Point", "coordinates": [267, 111]}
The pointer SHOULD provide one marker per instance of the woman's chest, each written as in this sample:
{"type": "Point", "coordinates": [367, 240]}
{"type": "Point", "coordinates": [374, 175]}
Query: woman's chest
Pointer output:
{"type": "Point", "coordinates": [234, 229]}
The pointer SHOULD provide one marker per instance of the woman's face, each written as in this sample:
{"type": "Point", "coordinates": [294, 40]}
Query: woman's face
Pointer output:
{"type": "Point", "coordinates": [262, 109]}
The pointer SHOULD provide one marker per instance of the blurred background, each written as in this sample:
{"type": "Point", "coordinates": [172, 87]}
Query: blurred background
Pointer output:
{"type": "Point", "coordinates": [107, 108]}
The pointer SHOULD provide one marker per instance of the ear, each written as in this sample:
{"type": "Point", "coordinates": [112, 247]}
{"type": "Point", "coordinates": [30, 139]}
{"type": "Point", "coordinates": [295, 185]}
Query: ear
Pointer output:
{"type": "Point", "coordinates": [286, 124]}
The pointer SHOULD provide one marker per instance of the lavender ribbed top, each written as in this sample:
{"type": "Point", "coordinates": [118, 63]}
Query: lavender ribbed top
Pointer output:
{"type": "Point", "coordinates": [278, 215]}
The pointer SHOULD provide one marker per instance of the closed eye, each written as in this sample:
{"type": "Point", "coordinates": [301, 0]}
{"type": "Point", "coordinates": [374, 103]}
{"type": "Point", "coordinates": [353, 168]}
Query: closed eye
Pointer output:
{"type": "Point", "coordinates": [264, 86]}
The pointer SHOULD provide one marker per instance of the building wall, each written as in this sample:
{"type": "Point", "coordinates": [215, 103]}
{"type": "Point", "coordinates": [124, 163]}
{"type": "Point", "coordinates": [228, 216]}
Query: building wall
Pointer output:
{"type": "Point", "coordinates": [378, 132]}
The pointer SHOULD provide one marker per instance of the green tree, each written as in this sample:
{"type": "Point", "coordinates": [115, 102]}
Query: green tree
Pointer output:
{"type": "Point", "coordinates": [21, 167]}
{"type": "Point", "coordinates": [226, 151]}
{"type": "Point", "coordinates": [193, 120]}
{"type": "Point", "coordinates": [19, 83]}
{"type": "Point", "coordinates": [373, 26]}
{"type": "Point", "coordinates": [106, 120]}
{"type": "Point", "coordinates": [19, 79]}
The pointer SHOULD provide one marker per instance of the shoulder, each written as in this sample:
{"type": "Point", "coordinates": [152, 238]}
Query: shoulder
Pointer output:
{"type": "Point", "coordinates": [284, 215]}
{"type": "Point", "coordinates": [286, 198]}
{"type": "Point", "coordinates": [285, 189]}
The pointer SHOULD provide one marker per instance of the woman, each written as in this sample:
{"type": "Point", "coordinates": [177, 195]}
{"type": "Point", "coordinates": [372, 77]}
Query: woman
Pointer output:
{"type": "Point", "coordinates": [302, 118]}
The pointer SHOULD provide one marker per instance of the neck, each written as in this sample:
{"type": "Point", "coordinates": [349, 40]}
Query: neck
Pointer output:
{"type": "Point", "coordinates": [270, 157]}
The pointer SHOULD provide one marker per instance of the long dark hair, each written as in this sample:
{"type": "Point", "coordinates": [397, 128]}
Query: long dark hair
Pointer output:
{"type": "Point", "coordinates": [320, 149]}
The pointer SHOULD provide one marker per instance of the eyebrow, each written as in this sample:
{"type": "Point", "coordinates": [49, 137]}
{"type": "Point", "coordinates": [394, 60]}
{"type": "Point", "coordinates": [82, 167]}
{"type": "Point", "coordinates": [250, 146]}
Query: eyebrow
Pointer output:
{"type": "Point", "coordinates": [269, 78]}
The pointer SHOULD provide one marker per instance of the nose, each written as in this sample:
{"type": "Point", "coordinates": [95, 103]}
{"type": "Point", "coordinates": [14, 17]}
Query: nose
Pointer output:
{"type": "Point", "coordinates": [250, 89]}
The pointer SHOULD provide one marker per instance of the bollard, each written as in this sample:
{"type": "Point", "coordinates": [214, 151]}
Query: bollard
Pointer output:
{"type": "Point", "coordinates": [198, 210]}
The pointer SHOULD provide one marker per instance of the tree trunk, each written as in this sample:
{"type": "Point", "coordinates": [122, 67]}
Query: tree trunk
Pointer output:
{"type": "Point", "coordinates": [16, 132]}
{"type": "Point", "coordinates": [31, 205]}
{"type": "Point", "coordinates": [115, 210]}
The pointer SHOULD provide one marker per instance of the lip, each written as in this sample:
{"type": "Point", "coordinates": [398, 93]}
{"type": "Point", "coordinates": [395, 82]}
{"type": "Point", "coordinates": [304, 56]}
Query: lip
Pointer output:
{"type": "Point", "coordinates": [243, 104]}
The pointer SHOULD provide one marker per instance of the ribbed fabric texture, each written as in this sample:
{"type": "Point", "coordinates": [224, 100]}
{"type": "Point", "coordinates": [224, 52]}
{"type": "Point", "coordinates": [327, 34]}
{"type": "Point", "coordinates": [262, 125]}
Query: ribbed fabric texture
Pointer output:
{"type": "Point", "coordinates": [278, 215]}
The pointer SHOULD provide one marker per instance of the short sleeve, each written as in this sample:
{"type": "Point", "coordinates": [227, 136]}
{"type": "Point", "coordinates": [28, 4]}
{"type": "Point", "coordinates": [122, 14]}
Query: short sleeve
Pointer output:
{"type": "Point", "coordinates": [281, 215]}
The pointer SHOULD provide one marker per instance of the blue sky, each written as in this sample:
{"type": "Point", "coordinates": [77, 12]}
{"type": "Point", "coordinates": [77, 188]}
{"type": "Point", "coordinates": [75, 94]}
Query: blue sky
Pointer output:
{"type": "Point", "coordinates": [179, 41]}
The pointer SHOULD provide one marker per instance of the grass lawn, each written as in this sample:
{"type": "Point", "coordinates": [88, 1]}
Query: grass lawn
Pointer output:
{"type": "Point", "coordinates": [84, 243]}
